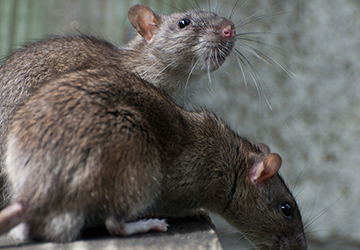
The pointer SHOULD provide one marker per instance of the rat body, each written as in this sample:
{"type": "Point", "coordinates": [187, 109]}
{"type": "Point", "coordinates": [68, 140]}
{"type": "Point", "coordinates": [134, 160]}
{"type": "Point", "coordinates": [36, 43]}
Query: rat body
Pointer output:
{"type": "Point", "coordinates": [103, 145]}
{"type": "Point", "coordinates": [167, 51]}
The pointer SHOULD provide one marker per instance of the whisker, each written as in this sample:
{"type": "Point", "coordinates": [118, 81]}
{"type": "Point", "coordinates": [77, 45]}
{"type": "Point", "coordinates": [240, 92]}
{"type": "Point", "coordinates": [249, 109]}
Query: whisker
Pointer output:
{"type": "Point", "coordinates": [241, 7]}
{"type": "Point", "coordinates": [218, 7]}
{"type": "Point", "coordinates": [149, 68]}
{"type": "Point", "coordinates": [265, 58]}
{"type": "Point", "coordinates": [197, 4]}
{"type": "Point", "coordinates": [167, 66]}
{"type": "Point", "coordinates": [320, 214]}
{"type": "Point", "coordinates": [251, 243]}
{"type": "Point", "coordinates": [190, 73]}
{"type": "Point", "coordinates": [199, 15]}
{"type": "Point", "coordinates": [312, 210]}
{"type": "Point", "coordinates": [208, 66]}
{"type": "Point", "coordinates": [204, 26]}
{"type": "Point", "coordinates": [233, 11]}
{"type": "Point", "coordinates": [246, 64]}
{"type": "Point", "coordinates": [254, 17]}
{"type": "Point", "coordinates": [254, 53]}
{"type": "Point", "coordinates": [210, 90]}
{"type": "Point", "coordinates": [208, 5]}
{"type": "Point", "coordinates": [254, 75]}
{"type": "Point", "coordinates": [298, 193]}
{"type": "Point", "coordinates": [298, 178]}
{"type": "Point", "coordinates": [191, 6]}
{"type": "Point", "coordinates": [240, 62]}
{"type": "Point", "coordinates": [180, 9]}
{"type": "Point", "coordinates": [264, 16]}
{"type": "Point", "coordinates": [195, 36]}
{"type": "Point", "coordinates": [281, 51]}
{"type": "Point", "coordinates": [259, 32]}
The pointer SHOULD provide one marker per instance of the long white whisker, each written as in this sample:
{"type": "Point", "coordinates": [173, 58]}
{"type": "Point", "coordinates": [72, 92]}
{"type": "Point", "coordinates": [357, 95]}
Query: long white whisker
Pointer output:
{"type": "Point", "coordinates": [208, 66]}
{"type": "Point", "coordinates": [148, 69]}
{"type": "Point", "coordinates": [298, 178]}
{"type": "Point", "coordinates": [321, 213]}
{"type": "Point", "coordinates": [240, 62]}
{"type": "Point", "coordinates": [255, 33]}
{"type": "Point", "coordinates": [265, 58]}
{"type": "Point", "coordinates": [249, 66]}
{"type": "Point", "coordinates": [254, 53]}
{"type": "Point", "coordinates": [167, 66]}
{"type": "Point", "coordinates": [234, 11]}
{"type": "Point", "coordinates": [254, 75]}
{"type": "Point", "coordinates": [190, 73]}
{"type": "Point", "coordinates": [254, 18]}
{"type": "Point", "coordinates": [279, 50]}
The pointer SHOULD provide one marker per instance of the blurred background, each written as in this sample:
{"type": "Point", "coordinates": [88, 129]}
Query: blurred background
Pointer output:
{"type": "Point", "coordinates": [311, 117]}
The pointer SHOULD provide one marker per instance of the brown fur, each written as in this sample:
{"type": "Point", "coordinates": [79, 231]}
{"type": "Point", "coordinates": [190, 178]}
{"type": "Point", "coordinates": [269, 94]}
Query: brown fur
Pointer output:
{"type": "Point", "coordinates": [167, 62]}
{"type": "Point", "coordinates": [105, 143]}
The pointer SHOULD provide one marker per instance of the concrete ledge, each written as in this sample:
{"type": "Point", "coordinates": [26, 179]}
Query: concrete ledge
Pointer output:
{"type": "Point", "coordinates": [191, 233]}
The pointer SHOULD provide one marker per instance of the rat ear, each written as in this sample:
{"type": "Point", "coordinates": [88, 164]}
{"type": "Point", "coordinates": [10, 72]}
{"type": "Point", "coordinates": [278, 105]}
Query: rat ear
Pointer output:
{"type": "Point", "coordinates": [144, 20]}
{"type": "Point", "coordinates": [263, 148]}
{"type": "Point", "coordinates": [265, 169]}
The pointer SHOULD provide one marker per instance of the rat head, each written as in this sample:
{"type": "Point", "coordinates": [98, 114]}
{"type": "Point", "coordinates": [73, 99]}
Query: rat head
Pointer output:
{"type": "Point", "coordinates": [263, 208]}
{"type": "Point", "coordinates": [191, 42]}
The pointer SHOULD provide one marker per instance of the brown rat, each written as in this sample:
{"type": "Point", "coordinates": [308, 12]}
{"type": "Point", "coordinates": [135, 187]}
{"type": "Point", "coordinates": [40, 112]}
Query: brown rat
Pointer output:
{"type": "Point", "coordinates": [104, 145]}
{"type": "Point", "coordinates": [167, 51]}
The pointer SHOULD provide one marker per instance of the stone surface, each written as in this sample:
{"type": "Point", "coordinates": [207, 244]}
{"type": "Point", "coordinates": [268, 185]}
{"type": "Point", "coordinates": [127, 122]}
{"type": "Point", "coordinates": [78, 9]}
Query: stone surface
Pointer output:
{"type": "Point", "coordinates": [196, 233]}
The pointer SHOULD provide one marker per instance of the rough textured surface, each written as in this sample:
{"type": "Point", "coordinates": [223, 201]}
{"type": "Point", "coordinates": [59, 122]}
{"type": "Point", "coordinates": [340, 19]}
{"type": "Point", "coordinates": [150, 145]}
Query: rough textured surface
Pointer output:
{"type": "Point", "coordinates": [315, 117]}
{"type": "Point", "coordinates": [186, 234]}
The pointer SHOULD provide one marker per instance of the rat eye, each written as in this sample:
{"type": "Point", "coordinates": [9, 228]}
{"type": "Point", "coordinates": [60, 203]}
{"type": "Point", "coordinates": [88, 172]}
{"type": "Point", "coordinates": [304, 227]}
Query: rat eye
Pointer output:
{"type": "Point", "coordinates": [184, 22]}
{"type": "Point", "coordinates": [286, 209]}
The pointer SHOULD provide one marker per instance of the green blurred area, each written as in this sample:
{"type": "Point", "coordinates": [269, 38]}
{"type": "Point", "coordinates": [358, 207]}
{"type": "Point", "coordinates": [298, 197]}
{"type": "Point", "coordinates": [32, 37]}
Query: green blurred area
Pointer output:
{"type": "Point", "coordinates": [24, 21]}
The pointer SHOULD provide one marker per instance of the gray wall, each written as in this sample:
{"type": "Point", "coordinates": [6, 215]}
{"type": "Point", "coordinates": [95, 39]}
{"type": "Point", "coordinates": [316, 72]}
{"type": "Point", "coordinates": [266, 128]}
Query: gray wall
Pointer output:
{"type": "Point", "coordinates": [313, 119]}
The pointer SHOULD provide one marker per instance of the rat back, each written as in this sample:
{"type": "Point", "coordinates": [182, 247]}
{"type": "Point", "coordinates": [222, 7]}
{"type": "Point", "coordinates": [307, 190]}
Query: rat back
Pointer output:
{"type": "Point", "coordinates": [81, 150]}
{"type": "Point", "coordinates": [26, 69]}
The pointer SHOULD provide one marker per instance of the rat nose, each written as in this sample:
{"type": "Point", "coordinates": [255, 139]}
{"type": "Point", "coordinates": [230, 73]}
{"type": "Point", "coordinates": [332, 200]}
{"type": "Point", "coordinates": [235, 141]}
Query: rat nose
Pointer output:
{"type": "Point", "coordinates": [228, 31]}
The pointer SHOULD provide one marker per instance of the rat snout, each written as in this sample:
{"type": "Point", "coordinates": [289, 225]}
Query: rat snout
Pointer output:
{"type": "Point", "coordinates": [227, 28]}
{"type": "Point", "coordinates": [297, 242]}
{"type": "Point", "coordinates": [228, 31]}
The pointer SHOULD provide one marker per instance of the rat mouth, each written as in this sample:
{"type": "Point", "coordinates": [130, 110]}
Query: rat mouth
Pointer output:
{"type": "Point", "coordinates": [218, 55]}
{"type": "Point", "coordinates": [215, 55]}
{"type": "Point", "coordinates": [215, 61]}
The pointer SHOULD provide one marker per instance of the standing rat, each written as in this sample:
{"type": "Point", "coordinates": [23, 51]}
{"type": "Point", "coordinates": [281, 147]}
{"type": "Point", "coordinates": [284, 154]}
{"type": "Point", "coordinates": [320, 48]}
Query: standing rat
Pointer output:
{"type": "Point", "coordinates": [167, 51]}
{"type": "Point", "coordinates": [104, 145]}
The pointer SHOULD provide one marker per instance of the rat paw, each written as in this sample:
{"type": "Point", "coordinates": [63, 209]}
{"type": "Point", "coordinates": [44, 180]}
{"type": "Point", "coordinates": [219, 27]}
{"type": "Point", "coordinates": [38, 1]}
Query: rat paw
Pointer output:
{"type": "Point", "coordinates": [19, 233]}
{"type": "Point", "coordinates": [142, 226]}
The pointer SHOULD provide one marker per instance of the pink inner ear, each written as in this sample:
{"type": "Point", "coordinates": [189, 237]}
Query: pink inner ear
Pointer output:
{"type": "Point", "coordinates": [255, 172]}
{"type": "Point", "coordinates": [266, 169]}
{"type": "Point", "coordinates": [272, 163]}
{"type": "Point", "coordinates": [147, 27]}
{"type": "Point", "coordinates": [144, 20]}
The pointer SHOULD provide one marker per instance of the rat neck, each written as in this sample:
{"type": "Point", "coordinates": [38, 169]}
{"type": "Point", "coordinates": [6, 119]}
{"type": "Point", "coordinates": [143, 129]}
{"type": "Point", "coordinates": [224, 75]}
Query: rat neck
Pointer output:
{"type": "Point", "coordinates": [203, 174]}
{"type": "Point", "coordinates": [160, 70]}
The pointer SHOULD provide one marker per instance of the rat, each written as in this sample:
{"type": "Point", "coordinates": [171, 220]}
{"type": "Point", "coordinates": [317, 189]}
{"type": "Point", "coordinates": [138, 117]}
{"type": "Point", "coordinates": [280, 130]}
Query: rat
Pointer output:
{"type": "Point", "coordinates": [105, 146]}
{"type": "Point", "coordinates": [167, 51]}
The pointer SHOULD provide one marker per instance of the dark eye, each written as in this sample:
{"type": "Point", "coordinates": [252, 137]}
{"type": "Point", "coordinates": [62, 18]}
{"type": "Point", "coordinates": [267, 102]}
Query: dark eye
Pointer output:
{"type": "Point", "coordinates": [184, 22]}
{"type": "Point", "coordinates": [286, 209]}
